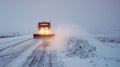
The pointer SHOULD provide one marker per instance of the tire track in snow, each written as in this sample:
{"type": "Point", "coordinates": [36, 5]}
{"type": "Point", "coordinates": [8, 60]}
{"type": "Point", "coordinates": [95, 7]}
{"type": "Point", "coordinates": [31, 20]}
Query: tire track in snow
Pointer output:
{"type": "Point", "coordinates": [11, 50]}
{"type": "Point", "coordinates": [5, 59]}
{"type": "Point", "coordinates": [35, 57]}
{"type": "Point", "coordinates": [43, 58]}
{"type": "Point", "coordinates": [13, 45]}
{"type": "Point", "coordinates": [10, 41]}
{"type": "Point", "coordinates": [21, 59]}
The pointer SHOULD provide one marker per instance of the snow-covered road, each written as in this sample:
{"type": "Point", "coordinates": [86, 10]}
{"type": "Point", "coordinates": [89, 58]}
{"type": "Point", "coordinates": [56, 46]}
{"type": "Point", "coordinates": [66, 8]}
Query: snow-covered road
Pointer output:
{"type": "Point", "coordinates": [28, 53]}
{"type": "Point", "coordinates": [25, 51]}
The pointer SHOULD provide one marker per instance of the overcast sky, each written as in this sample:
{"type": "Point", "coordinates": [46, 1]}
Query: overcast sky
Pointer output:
{"type": "Point", "coordinates": [101, 16]}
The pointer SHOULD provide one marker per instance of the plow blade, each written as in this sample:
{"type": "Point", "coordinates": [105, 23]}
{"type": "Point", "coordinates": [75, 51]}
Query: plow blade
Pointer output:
{"type": "Point", "coordinates": [43, 36]}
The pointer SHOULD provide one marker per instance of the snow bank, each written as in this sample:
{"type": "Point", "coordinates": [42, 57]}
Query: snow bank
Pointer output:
{"type": "Point", "coordinates": [81, 48]}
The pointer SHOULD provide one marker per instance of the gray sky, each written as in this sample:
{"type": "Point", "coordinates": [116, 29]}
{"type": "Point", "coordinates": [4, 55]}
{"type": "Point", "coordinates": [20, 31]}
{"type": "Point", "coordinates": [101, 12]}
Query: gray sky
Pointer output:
{"type": "Point", "coordinates": [101, 16]}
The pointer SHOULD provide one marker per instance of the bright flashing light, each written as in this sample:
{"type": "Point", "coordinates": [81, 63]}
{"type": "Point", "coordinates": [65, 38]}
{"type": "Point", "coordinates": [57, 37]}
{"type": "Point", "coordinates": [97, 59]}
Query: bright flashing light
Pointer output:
{"type": "Point", "coordinates": [44, 31]}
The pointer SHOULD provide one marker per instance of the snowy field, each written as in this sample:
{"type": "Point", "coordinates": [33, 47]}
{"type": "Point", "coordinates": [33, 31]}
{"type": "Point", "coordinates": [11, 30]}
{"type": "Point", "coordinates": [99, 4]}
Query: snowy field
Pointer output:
{"type": "Point", "coordinates": [24, 51]}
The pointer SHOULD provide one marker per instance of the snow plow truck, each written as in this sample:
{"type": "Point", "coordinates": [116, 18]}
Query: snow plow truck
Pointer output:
{"type": "Point", "coordinates": [44, 30]}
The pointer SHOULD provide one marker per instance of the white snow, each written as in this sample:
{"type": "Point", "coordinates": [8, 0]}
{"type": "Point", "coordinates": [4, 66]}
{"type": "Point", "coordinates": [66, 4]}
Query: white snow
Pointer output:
{"type": "Point", "coordinates": [23, 57]}
{"type": "Point", "coordinates": [106, 54]}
